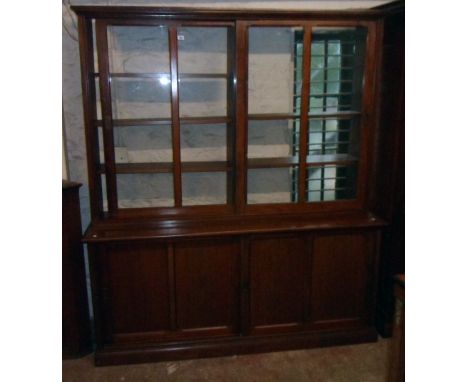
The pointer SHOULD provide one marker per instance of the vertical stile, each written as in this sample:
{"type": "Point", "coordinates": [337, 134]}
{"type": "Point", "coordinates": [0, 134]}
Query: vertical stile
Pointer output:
{"type": "Point", "coordinates": [324, 121]}
{"type": "Point", "coordinates": [244, 286]}
{"type": "Point", "coordinates": [172, 292]}
{"type": "Point", "coordinates": [106, 104]}
{"type": "Point", "coordinates": [241, 109]}
{"type": "Point", "coordinates": [304, 130]}
{"type": "Point", "coordinates": [85, 31]}
{"type": "Point", "coordinates": [368, 120]}
{"type": "Point", "coordinates": [231, 114]}
{"type": "Point", "coordinates": [177, 169]}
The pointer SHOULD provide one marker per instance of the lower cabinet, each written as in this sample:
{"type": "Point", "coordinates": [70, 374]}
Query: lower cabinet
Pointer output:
{"type": "Point", "coordinates": [184, 298]}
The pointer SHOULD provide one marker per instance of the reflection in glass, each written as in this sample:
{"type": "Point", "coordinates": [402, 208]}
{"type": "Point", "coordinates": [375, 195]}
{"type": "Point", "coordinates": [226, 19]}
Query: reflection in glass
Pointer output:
{"type": "Point", "coordinates": [202, 50]}
{"type": "Point", "coordinates": [275, 70]}
{"type": "Point", "coordinates": [201, 143]}
{"type": "Point", "coordinates": [337, 65]}
{"type": "Point", "coordinates": [331, 182]}
{"type": "Point", "coordinates": [140, 98]}
{"type": "Point", "coordinates": [138, 49]}
{"type": "Point", "coordinates": [272, 185]}
{"type": "Point", "coordinates": [203, 188]}
{"type": "Point", "coordinates": [203, 97]}
{"type": "Point", "coordinates": [273, 138]}
{"type": "Point", "coordinates": [145, 190]}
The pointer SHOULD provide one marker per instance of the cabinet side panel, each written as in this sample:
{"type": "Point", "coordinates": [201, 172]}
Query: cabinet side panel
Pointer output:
{"type": "Point", "coordinates": [340, 275]}
{"type": "Point", "coordinates": [278, 280]}
{"type": "Point", "coordinates": [136, 287]}
{"type": "Point", "coordinates": [207, 276]}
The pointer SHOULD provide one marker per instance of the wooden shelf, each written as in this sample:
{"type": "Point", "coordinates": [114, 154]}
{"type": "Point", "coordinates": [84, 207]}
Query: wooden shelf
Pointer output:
{"type": "Point", "coordinates": [165, 121]}
{"type": "Point", "coordinates": [205, 120]}
{"type": "Point", "coordinates": [280, 116]}
{"type": "Point", "coordinates": [272, 116]}
{"type": "Point", "coordinates": [272, 162]}
{"type": "Point", "coordinates": [334, 114]}
{"type": "Point", "coordinates": [167, 167]}
{"type": "Point", "coordinates": [181, 76]}
{"type": "Point", "coordinates": [312, 160]}
{"type": "Point", "coordinates": [136, 122]}
{"type": "Point", "coordinates": [184, 76]}
{"type": "Point", "coordinates": [109, 230]}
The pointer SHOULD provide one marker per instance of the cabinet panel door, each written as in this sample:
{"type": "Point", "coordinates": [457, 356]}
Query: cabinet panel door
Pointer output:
{"type": "Point", "coordinates": [278, 284]}
{"type": "Point", "coordinates": [207, 286]}
{"type": "Point", "coordinates": [340, 279]}
{"type": "Point", "coordinates": [134, 290]}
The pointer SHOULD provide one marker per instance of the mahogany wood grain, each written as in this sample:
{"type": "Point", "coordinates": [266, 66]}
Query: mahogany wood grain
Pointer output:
{"type": "Point", "coordinates": [106, 105]}
{"type": "Point", "coordinates": [231, 91]}
{"type": "Point", "coordinates": [339, 279]}
{"type": "Point", "coordinates": [76, 328]}
{"type": "Point", "coordinates": [85, 35]}
{"type": "Point", "coordinates": [304, 125]}
{"type": "Point", "coordinates": [215, 15]}
{"type": "Point", "coordinates": [241, 109]}
{"type": "Point", "coordinates": [176, 155]}
{"type": "Point", "coordinates": [277, 282]}
{"type": "Point", "coordinates": [135, 287]}
{"type": "Point", "coordinates": [207, 279]}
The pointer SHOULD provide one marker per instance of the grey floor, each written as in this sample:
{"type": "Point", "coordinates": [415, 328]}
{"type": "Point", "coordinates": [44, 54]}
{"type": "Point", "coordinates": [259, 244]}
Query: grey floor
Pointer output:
{"type": "Point", "coordinates": [355, 363]}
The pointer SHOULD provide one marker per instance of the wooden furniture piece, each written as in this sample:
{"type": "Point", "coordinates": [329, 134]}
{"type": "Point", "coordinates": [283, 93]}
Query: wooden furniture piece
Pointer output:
{"type": "Point", "coordinates": [389, 198]}
{"type": "Point", "coordinates": [396, 367]}
{"type": "Point", "coordinates": [231, 159]}
{"type": "Point", "coordinates": [76, 328]}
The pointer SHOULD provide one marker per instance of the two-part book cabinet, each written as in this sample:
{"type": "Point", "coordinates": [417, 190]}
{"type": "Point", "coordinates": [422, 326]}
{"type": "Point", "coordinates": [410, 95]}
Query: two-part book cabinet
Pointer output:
{"type": "Point", "coordinates": [231, 163]}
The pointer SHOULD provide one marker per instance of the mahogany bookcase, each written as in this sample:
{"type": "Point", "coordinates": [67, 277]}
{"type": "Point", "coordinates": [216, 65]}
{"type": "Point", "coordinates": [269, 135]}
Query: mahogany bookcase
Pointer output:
{"type": "Point", "coordinates": [231, 160]}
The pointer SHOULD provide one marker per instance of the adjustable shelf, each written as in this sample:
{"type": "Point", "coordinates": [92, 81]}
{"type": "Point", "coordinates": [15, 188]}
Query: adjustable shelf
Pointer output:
{"type": "Point", "coordinates": [165, 121]}
{"type": "Point", "coordinates": [167, 167]}
{"type": "Point", "coordinates": [312, 160]}
{"type": "Point", "coordinates": [181, 76]}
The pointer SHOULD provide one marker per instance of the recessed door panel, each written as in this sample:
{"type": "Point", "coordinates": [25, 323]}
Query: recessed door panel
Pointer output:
{"type": "Point", "coordinates": [207, 285]}
{"type": "Point", "coordinates": [278, 287]}
{"type": "Point", "coordinates": [135, 288]}
{"type": "Point", "coordinates": [340, 278]}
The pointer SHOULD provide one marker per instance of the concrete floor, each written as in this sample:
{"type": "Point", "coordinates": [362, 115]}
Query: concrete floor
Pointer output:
{"type": "Point", "coordinates": [356, 363]}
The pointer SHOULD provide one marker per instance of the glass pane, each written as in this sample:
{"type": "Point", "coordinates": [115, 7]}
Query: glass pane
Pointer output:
{"type": "Point", "coordinates": [203, 97]}
{"type": "Point", "coordinates": [145, 190]}
{"type": "Point", "coordinates": [140, 98]}
{"type": "Point", "coordinates": [275, 69]}
{"type": "Point", "coordinates": [203, 143]}
{"type": "Point", "coordinates": [337, 66]}
{"type": "Point", "coordinates": [105, 207]}
{"type": "Point", "coordinates": [273, 139]}
{"type": "Point", "coordinates": [272, 185]}
{"type": "Point", "coordinates": [138, 49]}
{"type": "Point", "coordinates": [333, 136]}
{"type": "Point", "coordinates": [204, 188]}
{"type": "Point", "coordinates": [202, 49]}
{"type": "Point", "coordinates": [331, 182]}
{"type": "Point", "coordinates": [98, 99]}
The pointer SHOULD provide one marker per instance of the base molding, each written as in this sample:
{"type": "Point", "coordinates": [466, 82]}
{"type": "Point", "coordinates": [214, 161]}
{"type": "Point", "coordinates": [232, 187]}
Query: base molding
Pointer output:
{"type": "Point", "coordinates": [231, 346]}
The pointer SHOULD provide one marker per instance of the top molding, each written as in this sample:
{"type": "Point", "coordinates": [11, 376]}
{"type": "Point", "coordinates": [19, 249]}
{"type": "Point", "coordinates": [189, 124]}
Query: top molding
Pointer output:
{"type": "Point", "coordinates": [221, 14]}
